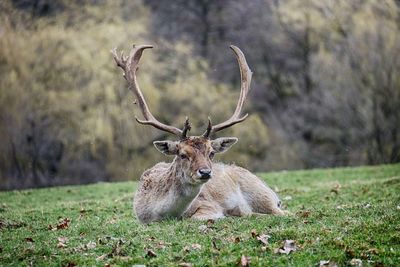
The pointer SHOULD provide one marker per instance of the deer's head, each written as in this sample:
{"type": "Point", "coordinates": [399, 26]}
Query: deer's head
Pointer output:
{"type": "Point", "coordinates": [193, 154]}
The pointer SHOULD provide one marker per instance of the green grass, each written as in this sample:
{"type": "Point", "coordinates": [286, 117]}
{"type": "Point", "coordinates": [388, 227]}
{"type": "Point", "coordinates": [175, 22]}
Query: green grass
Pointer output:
{"type": "Point", "coordinates": [360, 220]}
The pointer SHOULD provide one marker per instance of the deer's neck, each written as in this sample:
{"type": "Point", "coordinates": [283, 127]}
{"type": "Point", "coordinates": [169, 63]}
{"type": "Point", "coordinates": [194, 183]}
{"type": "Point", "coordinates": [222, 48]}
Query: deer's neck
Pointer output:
{"type": "Point", "coordinates": [183, 185]}
{"type": "Point", "coordinates": [181, 192]}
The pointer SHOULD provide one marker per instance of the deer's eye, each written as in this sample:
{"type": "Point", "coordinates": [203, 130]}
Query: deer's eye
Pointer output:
{"type": "Point", "coordinates": [183, 156]}
{"type": "Point", "coordinates": [212, 154]}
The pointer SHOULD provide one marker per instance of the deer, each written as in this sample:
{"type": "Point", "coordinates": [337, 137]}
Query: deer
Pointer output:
{"type": "Point", "coordinates": [193, 185]}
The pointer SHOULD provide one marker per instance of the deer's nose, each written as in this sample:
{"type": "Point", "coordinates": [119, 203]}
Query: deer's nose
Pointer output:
{"type": "Point", "coordinates": [205, 173]}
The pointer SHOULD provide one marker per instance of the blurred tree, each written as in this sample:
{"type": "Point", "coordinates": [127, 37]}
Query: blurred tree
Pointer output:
{"type": "Point", "coordinates": [326, 83]}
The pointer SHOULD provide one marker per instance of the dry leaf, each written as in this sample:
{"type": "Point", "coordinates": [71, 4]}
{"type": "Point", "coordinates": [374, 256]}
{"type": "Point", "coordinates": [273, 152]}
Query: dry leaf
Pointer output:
{"type": "Point", "coordinates": [62, 239]}
{"type": "Point", "coordinates": [288, 246]}
{"type": "Point", "coordinates": [324, 263]}
{"type": "Point", "coordinates": [102, 257]}
{"type": "Point", "coordinates": [244, 261]}
{"type": "Point", "coordinates": [91, 245]}
{"type": "Point", "coordinates": [62, 242]}
{"type": "Point", "coordinates": [356, 262]}
{"type": "Point", "coordinates": [162, 245]}
{"type": "Point", "coordinates": [123, 258]}
{"type": "Point", "coordinates": [304, 213]}
{"type": "Point", "coordinates": [63, 224]}
{"type": "Point", "coordinates": [192, 247]}
{"type": "Point", "coordinates": [116, 251]}
{"type": "Point", "coordinates": [237, 239]}
{"type": "Point", "coordinates": [185, 264]}
{"type": "Point", "coordinates": [335, 188]}
{"type": "Point", "coordinates": [263, 239]}
{"type": "Point", "coordinates": [203, 228]}
{"type": "Point", "coordinates": [374, 251]}
{"type": "Point", "coordinates": [368, 205]}
{"type": "Point", "coordinates": [112, 221]}
{"type": "Point", "coordinates": [151, 253]}
{"type": "Point", "coordinates": [254, 233]}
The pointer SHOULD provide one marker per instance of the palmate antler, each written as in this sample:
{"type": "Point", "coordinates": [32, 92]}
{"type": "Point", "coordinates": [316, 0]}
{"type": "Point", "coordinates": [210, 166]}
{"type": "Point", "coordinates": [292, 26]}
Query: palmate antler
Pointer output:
{"type": "Point", "coordinates": [130, 65]}
{"type": "Point", "coordinates": [245, 78]}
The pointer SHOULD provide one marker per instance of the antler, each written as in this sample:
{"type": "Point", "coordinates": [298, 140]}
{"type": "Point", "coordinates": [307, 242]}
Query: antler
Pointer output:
{"type": "Point", "coordinates": [130, 65]}
{"type": "Point", "coordinates": [245, 77]}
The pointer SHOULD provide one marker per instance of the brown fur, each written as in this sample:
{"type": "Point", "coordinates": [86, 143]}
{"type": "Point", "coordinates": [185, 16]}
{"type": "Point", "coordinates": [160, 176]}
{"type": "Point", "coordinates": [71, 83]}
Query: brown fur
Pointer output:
{"type": "Point", "coordinates": [174, 190]}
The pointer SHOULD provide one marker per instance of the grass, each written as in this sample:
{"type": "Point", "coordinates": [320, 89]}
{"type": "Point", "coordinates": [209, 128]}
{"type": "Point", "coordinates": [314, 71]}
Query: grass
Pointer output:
{"type": "Point", "coordinates": [339, 215]}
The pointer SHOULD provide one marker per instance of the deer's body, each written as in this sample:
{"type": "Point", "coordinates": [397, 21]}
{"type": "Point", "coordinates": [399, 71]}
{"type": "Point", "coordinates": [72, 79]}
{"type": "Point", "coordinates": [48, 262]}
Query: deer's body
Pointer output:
{"type": "Point", "coordinates": [192, 185]}
{"type": "Point", "coordinates": [167, 191]}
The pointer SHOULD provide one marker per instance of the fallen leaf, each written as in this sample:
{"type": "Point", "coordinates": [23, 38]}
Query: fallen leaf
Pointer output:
{"type": "Point", "coordinates": [123, 258]}
{"type": "Point", "coordinates": [185, 264]}
{"type": "Point", "coordinates": [117, 248]}
{"type": "Point", "coordinates": [70, 264]}
{"type": "Point", "coordinates": [304, 213]}
{"type": "Point", "coordinates": [356, 262]}
{"type": "Point", "coordinates": [61, 245]}
{"type": "Point", "coordinates": [91, 245]}
{"type": "Point", "coordinates": [335, 188]}
{"type": "Point", "coordinates": [254, 233]}
{"type": "Point", "coordinates": [210, 222]}
{"type": "Point", "coordinates": [203, 228]}
{"type": "Point", "coordinates": [102, 257]}
{"type": "Point", "coordinates": [63, 224]}
{"type": "Point", "coordinates": [162, 245]}
{"type": "Point", "coordinates": [324, 263]}
{"type": "Point", "coordinates": [342, 207]}
{"type": "Point", "coordinates": [244, 261]}
{"type": "Point", "coordinates": [237, 239]}
{"type": "Point", "coordinates": [374, 251]}
{"type": "Point", "coordinates": [62, 242]}
{"type": "Point", "coordinates": [288, 246]}
{"type": "Point", "coordinates": [62, 239]}
{"type": "Point", "coordinates": [214, 244]}
{"type": "Point", "coordinates": [263, 239]}
{"type": "Point", "coordinates": [350, 252]}
{"type": "Point", "coordinates": [192, 247]}
{"type": "Point", "coordinates": [151, 253]}
{"type": "Point", "coordinates": [112, 221]}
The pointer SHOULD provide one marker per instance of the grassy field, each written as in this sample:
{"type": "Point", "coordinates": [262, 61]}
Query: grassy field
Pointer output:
{"type": "Point", "coordinates": [346, 216]}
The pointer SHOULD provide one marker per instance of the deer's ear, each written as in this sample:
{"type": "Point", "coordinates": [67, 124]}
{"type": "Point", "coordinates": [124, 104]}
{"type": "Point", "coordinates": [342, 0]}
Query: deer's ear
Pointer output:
{"type": "Point", "coordinates": [167, 147]}
{"type": "Point", "coordinates": [223, 144]}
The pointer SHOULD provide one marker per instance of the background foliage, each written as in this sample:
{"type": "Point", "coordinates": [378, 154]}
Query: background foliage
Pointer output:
{"type": "Point", "coordinates": [326, 89]}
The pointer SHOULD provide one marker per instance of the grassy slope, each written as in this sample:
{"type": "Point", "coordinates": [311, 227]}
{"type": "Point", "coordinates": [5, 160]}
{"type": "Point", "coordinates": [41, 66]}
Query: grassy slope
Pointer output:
{"type": "Point", "coordinates": [360, 221]}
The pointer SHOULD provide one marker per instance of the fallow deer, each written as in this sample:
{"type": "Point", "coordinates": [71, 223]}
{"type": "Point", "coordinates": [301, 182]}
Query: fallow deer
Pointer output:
{"type": "Point", "coordinates": [192, 185]}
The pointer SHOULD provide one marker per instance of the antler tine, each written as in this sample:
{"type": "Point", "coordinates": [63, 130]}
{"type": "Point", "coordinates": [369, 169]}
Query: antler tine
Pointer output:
{"type": "Point", "coordinates": [186, 128]}
{"type": "Point", "coordinates": [130, 65]}
{"type": "Point", "coordinates": [245, 77]}
{"type": "Point", "coordinates": [209, 128]}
